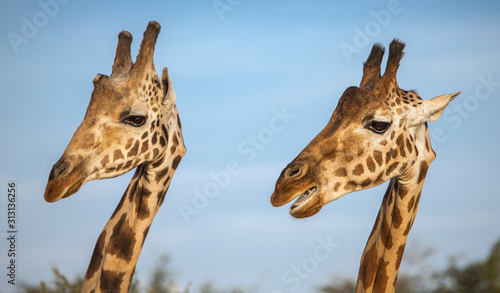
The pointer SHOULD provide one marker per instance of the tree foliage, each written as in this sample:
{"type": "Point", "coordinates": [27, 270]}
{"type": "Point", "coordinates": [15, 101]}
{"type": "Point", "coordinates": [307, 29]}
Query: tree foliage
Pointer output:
{"type": "Point", "coordinates": [60, 284]}
{"type": "Point", "coordinates": [160, 281]}
{"type": "Point", "coordinates": [475, 277]}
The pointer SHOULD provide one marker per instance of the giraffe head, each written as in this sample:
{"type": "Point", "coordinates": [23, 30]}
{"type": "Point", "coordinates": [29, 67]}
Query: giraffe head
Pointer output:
{"type": "Point", "coordinates": [125, 124]}
{"type": "Point", "coordinates": [378, 131]}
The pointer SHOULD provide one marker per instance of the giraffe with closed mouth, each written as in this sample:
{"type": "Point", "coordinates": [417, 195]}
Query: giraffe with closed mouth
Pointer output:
{"type": "Point", "coordinates": [131, 122]}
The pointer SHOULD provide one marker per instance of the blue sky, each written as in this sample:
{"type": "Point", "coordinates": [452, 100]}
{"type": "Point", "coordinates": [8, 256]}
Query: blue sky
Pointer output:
{"type": "Point", "coordinates": [233, 71]}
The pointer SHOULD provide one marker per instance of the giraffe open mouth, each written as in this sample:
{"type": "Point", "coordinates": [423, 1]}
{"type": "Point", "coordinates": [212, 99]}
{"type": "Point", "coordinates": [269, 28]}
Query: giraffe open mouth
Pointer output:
{"type": "Point", "coordinates": [304, 199]}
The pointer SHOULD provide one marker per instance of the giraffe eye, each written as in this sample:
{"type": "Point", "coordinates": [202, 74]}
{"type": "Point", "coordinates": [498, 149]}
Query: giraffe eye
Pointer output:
{"type": "Point", "coordinates": [378, 127]}
{"type": "Point", "coordinates": [135, 120]}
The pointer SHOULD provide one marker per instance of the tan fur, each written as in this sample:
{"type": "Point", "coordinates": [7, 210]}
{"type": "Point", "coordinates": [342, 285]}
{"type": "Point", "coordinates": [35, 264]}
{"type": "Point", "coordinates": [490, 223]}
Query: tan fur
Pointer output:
{"type": "Point", "coordinates": [131, 121]}
{"type": "Point", "coordinates": [378, 132]}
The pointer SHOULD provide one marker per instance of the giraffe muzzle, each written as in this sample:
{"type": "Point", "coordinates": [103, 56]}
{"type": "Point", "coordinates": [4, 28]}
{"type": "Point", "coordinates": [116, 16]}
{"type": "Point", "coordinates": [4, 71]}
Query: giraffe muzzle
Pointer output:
{"type": "Point", "coordinates": [64, 180]}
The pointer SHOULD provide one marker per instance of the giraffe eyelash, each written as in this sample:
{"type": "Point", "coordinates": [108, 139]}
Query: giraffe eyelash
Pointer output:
{"type": "Point", "coordinates": [135, 120]}
{"type": "Point", "coordinates": [379, 127]}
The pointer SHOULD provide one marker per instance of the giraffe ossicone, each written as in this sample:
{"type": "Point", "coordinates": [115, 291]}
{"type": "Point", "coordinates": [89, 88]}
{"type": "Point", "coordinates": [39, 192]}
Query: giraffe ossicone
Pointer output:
{"type": "Point", "coordinates": [378, 132]}
{"type": "Point", "coordinates": [131, 122]}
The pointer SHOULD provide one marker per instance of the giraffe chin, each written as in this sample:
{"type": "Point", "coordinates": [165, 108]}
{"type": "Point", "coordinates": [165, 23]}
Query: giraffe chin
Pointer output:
{"type": "Point", "coordinates": [54, 193]}
{"type": "Point", "coordinates": [307, 204]}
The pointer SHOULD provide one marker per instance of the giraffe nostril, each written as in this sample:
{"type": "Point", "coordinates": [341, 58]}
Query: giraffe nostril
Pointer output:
{"type": "Point", "coordinates": [59, 169]}
{"type": "Point", "coordinates": [293, 172]}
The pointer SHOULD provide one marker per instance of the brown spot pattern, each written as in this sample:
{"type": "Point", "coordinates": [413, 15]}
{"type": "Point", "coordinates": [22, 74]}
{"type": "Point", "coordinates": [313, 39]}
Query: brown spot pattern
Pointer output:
{"type": "Point", "coordinates": [165, 131]}
{"type": "Point", "coordinates": [340, 172]}
{"type": "Point", "coordinates": [399, 257]}
{"type": "Point", "coordinates": [129, 143]}
{"type": "Point", "coordinates": [423, 171]}
{"type": "Point", "coordinates": [358, 170]}
{"type": "Point", "coordinates": [377, 155]}
{"type": "Point", "coordinates": [408, 146]}
{"type": "Point", "coordinates": [176, 162]}
{"type": "Point", "coordinates": [336, 187]}
{"type": "Point", "coordinates": [161, 174]}
{"type": "Point", "coordinates": [368, 266]}
{"type": "Point", "coordinates": [370, 164]}
{"type": "Point", "coordinates": [403, 191]}
{"type": "Point", "coordinates": [388, 156]}
{"type": "Point", "coordinates": [95, 261]}
{"type": "Point", "coordinates": [133, 151]}
{"type": "Point", "coordinates": [366, 182]}
{"type": "Point", "coordinates": [391, 168]}
{"type": "Point", "coordinates": [379, 177]}
{"type": "Point", "coordinates": [350, 186]}
{"type": "Point", "coordinates": [175, 140]}
{"type": "Point", "coordinates": [111, 280]}
{"type": "Point", "coordinates": [427, 144]}
{"type": "Point", "coordinates": [397, 218]}
{"type": "Point", "coordinates": [411, 203]}
{"type": "Point", "coordinates": [145, 146]}
{"type": "Point", "coordinates": [142, 210]}
{"type": "Point", "coordinates": [105, 160]}
{"type": "Point", "coordinates": [122, 241]}
{"type": "Point", "coordinates": [403, 167]}
{"type": "Point", "coordinates": [154, 138]}
{"type": "Point", "coordinates": [382, 277]}
{"type": "Point", "coordinates": [408, 228]}
{"type": "Point", "coordinates": [117, 154]}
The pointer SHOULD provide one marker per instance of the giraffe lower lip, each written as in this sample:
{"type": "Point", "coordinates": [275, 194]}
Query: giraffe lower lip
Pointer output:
{"type": "Point", "coordinates": [304, 197]}
{"type": "Point", "coordinates": [74, 188]}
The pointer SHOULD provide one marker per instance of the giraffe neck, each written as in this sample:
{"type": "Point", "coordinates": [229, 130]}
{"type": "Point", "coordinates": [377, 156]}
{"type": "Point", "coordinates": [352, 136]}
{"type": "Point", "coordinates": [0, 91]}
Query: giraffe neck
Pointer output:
{"type": "Point", "coordinates": [384, 249]}
{"type": "Point", "coordinates": [120, 243]}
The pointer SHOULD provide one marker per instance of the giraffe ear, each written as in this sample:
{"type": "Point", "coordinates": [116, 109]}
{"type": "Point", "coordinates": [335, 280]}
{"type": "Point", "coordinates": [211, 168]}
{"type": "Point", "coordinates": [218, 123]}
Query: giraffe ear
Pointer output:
{"type": "Point", "coordinates": [433, 108]}
{"type": "Point", "coordinates": [168, 90]}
